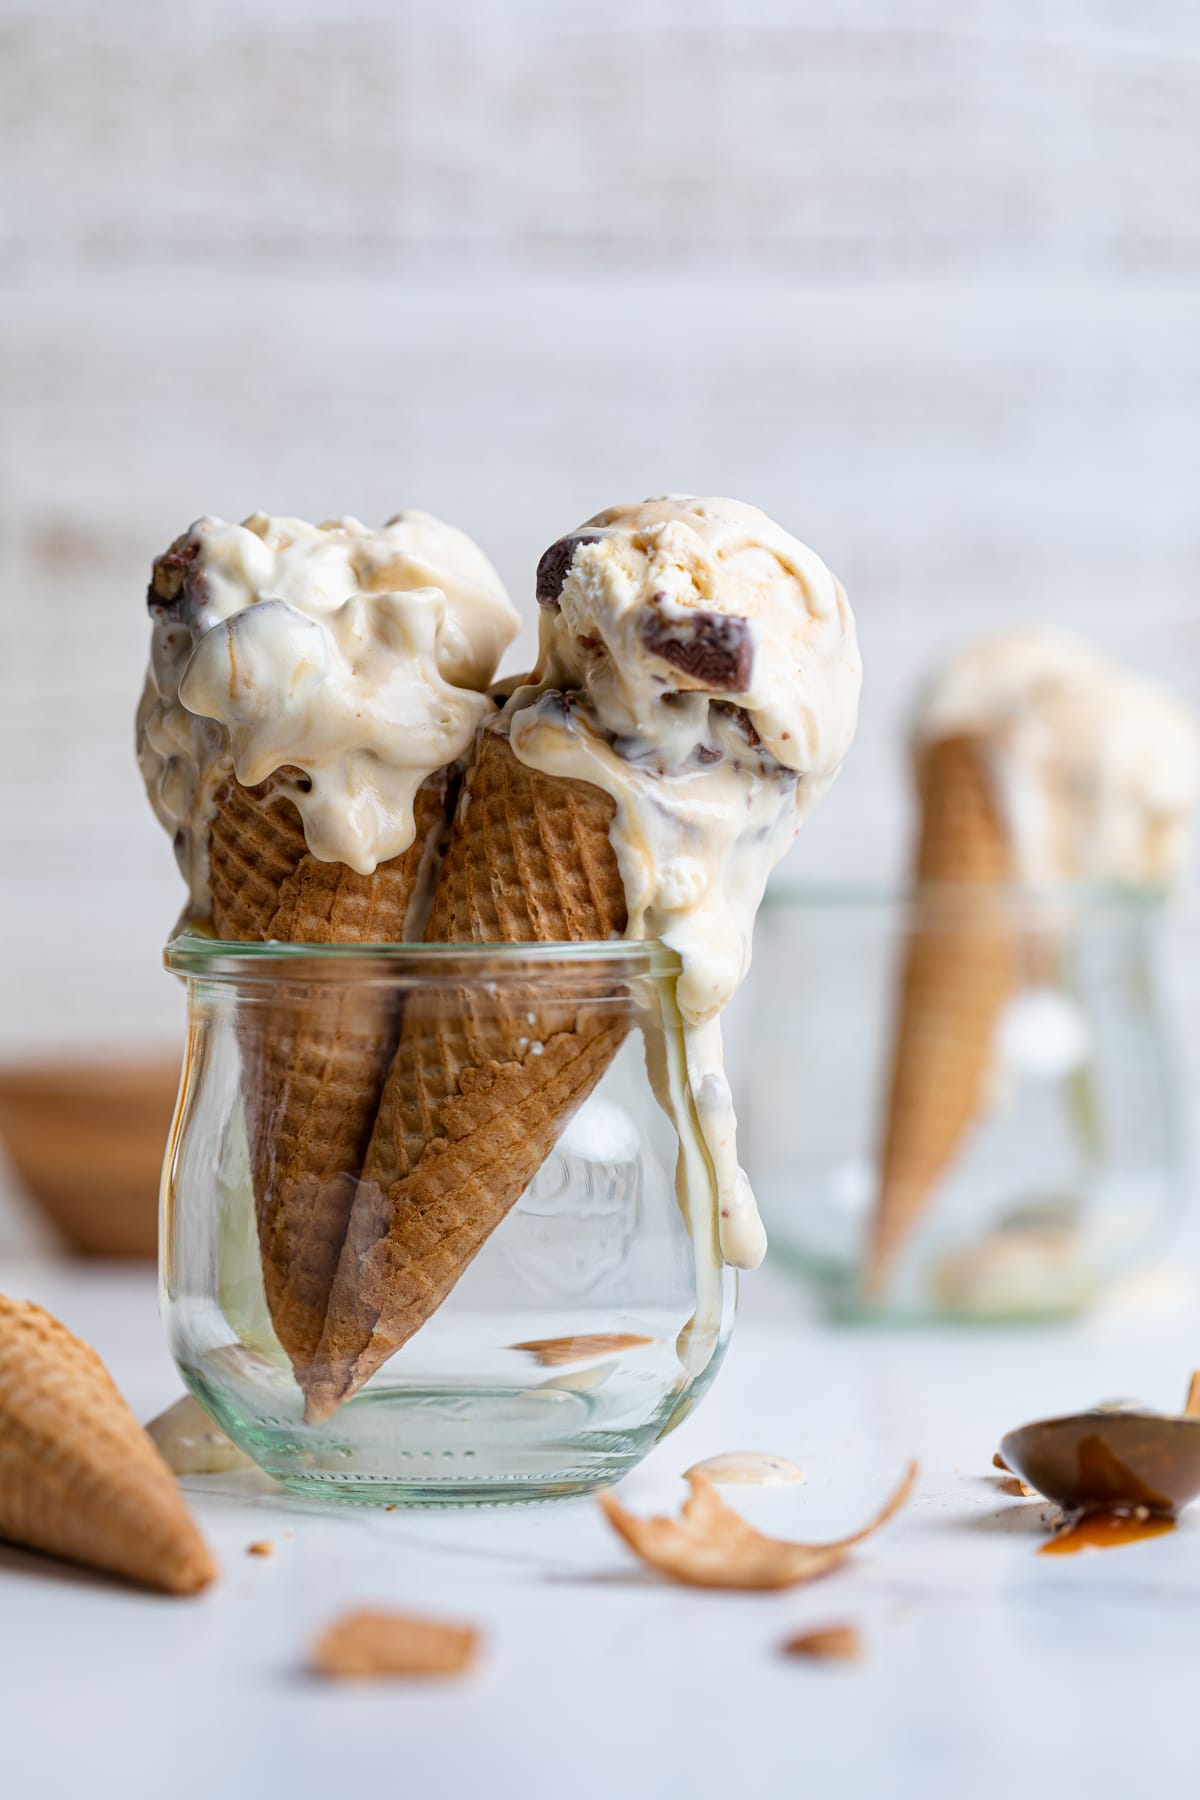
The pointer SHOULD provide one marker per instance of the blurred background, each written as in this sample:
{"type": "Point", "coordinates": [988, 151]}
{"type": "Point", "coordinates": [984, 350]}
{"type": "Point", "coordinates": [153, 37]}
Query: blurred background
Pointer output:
{"type": "Point", "coordinates": [921, 278]}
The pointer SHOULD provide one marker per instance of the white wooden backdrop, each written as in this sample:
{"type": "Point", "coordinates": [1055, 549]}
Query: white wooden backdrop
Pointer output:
{"type": "Point", "coordinates": [922, 277]}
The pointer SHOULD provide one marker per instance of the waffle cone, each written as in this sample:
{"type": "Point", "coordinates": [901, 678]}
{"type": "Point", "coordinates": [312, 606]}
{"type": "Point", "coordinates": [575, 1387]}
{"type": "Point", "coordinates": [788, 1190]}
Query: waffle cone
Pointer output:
{"type": "Point", "coordinates": [478, 1091]}
{"type": "Point", "coordinates": [79, 1478]}
{"type": "Point", "coordinates": [314, 1062]}
{"type": "Point", "coordinates": [958, 973]}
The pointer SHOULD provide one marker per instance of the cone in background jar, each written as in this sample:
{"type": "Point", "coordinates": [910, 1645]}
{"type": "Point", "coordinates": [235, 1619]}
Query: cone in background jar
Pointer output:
{"type": "Point", "coordinates": [314, 1063]}
{"type": "Point", "coordinates": [477, 1097]}
{"type": "Point", "coordinates": [958, 974]}
{"type": "Point", "coordinates": [79, 1478]}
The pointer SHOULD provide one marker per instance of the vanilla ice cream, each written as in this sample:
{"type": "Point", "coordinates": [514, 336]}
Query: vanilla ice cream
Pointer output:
{"type": "Point", "coordinates": [1095, 769]}
{"type": "Point", "coordinates": [700, 666]}
{"type": "Point", "coordinates": [356, 661]}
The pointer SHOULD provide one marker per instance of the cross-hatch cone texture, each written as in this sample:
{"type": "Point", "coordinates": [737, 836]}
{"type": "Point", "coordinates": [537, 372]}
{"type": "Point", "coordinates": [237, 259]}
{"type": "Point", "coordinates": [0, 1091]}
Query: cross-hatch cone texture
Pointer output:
{"type": "Point", "coordinates": [480, 1087]}
{"type": "Point", "coordinates": [79, 1478]}
{"type": "Point", "coordinates": [314, 1056]}
{"type": "Point", "coordinates": [957, 976]}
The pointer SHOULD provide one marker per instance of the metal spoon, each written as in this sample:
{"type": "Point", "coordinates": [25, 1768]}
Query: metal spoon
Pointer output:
{"type": "Point", "coordinates": [1112, 1460]}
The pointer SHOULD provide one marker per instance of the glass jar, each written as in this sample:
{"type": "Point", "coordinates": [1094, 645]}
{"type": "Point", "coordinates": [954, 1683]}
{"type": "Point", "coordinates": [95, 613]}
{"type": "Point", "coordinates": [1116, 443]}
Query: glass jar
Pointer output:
{"type": "Point", "coordinates": [433, 1227]}
{"type": "Point", "coordinates": [961, 1102]}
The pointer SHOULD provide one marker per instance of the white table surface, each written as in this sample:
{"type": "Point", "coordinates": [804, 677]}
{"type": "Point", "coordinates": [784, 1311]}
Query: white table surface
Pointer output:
{"type": "Point", "coordinates": [986, 1666]}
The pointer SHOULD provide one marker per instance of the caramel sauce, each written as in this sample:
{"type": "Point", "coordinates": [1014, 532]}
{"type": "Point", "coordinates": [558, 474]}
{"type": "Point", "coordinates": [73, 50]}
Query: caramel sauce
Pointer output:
{"type": "Point", "coordinates": [1106, 1531]}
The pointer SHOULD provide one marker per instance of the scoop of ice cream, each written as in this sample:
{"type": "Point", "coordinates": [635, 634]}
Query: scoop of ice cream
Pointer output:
{"type": "Point", "coordinates": [699, 665]}
{"type": "Point", "coordinates": [707, 597]}
{"type": "Point", "coordinates": [1096, 769]}
{"type": "Point", "coordinates": [356, 660]}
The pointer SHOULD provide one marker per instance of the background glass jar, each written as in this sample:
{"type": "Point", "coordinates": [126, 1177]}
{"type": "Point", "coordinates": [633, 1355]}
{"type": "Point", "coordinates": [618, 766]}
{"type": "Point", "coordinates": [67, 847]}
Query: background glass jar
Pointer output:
{"type": "Point", "coordinates": [578, 1331]}
{"type": "Point", "coordinates": [1068, 1165]}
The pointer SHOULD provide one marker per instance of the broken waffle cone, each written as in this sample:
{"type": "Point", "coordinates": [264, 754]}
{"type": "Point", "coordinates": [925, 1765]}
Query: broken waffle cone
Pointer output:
{"type": "Point", "coordinates": [315, 1058]}
{"type": "Point", "coordinates": [372, 1643]}
{"type": "Point", "coordinates": [79, 1478]}
{"type": "Point", "coordinates": [479, 1090]}
{"type": "Point", "coordinates": [828, 1643]}
{"type": "Point", "coordinates": [958, 973]}
{"type": "Point", "coordinates": [712, 1546]}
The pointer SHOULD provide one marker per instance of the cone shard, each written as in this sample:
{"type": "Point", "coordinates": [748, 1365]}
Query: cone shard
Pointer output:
{"type": "Point", "coordinates": [957, 975]}
{"type": "Point", "coordinates": [79, 1478]}
{"type": "Point", "coordinates": [479, 1089]}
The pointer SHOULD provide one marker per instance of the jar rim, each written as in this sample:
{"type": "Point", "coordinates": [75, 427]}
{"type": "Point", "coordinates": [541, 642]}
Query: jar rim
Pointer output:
{"type": "Point", "coordinates": [195, 954]}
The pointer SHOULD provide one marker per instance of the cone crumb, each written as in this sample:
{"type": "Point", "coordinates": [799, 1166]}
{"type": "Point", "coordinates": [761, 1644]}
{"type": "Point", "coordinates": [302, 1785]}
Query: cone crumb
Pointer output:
{"type": "Point", "coordinates": [260, 1547]}
{"type": "Point", "coordinates": [366, 1644]}
{"type": "Point", "coordinates": [553, 1352]}
{"type": "Point", "coordinates": [831, 1643]}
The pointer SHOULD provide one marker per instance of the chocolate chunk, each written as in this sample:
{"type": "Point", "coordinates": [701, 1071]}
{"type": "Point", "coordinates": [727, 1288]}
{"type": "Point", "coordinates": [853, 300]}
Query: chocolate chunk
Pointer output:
{"type": "Point", "coordinates": [714, 650]}
{"type": "Point", "coordinates": [745, 725]}
{"type": "Point", "coordinates": [555, 563]}
{"type": "Point", "coordinates": [173, 574]}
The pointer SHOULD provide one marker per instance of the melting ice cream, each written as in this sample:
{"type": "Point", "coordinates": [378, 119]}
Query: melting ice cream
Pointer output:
{"type": "Point", "coordinates": [354, 660]}
{"type": "Point", "coordinates": [1096, 769]}
{"type": "Point", "coordinates": [700, 666]}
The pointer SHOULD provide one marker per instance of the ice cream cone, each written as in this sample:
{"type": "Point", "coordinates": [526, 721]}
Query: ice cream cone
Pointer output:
{"type": "Point", "coordinates": [958, 972]}
{"type": "Point", "coordinates": [314, 1063]}
{"type": "Point", "coordinates": [266, 884]}
{"type": "Point", "coordinates": [79, 1478]}
{"type": "Point", "coordinates": [476, 1096]}
{"type": "Point", "coordinates": [351, 668]}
